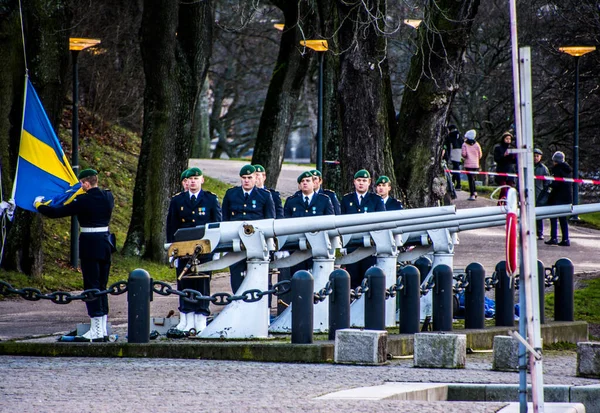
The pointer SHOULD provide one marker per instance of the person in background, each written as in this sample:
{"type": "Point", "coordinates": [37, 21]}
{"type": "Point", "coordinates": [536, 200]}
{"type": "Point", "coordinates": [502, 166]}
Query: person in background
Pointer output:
{"type": "Point", "coordinates": [246, 203]}
{"type": "Point", "coordinates": [562, 193]}
{"type": "Point", "coordinates": [189, 209]}
{"type": "Point", "coordinates": [318, 182]}
{"type": "Point", "coordinates": [542, 188]}
{"type": "Point", "coordinates": [93, 209]}
{"type": "Point", "coordinates": [261, 177]}
{"type": "Point", "coordinates": [505, 163]}
{"type": "Point", "coordinates": [383, 187]}
{"type": "Point", "coordinates": [183, 180]}
{"type": "Point", "coordinates": [471, 153]}
{"type": "Point", "coordinates": [361, 201]}
{"type": "Point", "coordinates": [453, 153]}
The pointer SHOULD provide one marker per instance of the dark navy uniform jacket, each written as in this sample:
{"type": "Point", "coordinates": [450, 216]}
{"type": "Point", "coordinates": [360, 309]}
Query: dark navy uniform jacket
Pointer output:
{"type": "Point", "coordinates": [184, 214]}
{"type": "Point", "coordinates": [277, 201]}
{"type": "Point", "coordinates": [334, 200]}
{"type": "Point", "coordinates": [258, 206]}
{"type": "Point", "coordinates": [392, 204]}
{"type": "Point", "coordinates": [320, 204]}
{"type": "Point", "coordinates": [93, 210]}
{"type": "Point", "coordinates": [371, 203]}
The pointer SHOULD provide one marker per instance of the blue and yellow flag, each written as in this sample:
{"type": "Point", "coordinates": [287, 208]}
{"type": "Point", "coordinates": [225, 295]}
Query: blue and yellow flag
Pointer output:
{"type": "Point", "coordinates": [42, 167]}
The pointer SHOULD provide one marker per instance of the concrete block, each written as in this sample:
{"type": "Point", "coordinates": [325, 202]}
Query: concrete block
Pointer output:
{"type": "Point", "coordinates": [467, 392]}
{"type": "Point", "coordinates": [501, 392]}
{"type": "Point", "coordinates": [588, 395]}
{"type": "Point", "coordinates": [588, 359]}
{"type": "Point", "coordinates": [506, 354]}
{"type": "Point", "coordinates": [360, 346]}
{"type": "Point", "coordinates": [440, 350]}
{"type": "Point", "coordinates": [427, 392]}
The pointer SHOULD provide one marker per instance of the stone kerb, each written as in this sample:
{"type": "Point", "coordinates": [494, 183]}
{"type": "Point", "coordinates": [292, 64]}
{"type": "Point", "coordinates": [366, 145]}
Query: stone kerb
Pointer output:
{"type": "Point", "coordinates": [440, 350]}
{"type": "Point", "coordinates": [360, 346]}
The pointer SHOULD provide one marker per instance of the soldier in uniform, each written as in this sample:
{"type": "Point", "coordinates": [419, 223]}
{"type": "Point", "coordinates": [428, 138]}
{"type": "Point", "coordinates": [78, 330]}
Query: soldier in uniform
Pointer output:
{"type": "Point", "coordinates": [93, 210]}
{"type": "Point", "coordinates": [246, 203]}
{"type": "Point", "coordinates": [357, 202]}
{"type": "Point", "coordinates": [189, 209]}
{"type": "Point", "coordinates": [261, 178]}
{"type": "Point", "coordinates": [183, 180]}
{"type": "Point", "coordinates": [318, 182]}
{"type": "Point", "coordinates": [383, 186]}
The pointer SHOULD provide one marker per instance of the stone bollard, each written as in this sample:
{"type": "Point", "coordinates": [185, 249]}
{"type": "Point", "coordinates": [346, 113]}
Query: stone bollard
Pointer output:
{"type": "Point", "coordinates": [440, 350]}
{"type": "Point", "coordinates": [360, 346]}
{"type": "Point", "coordinates": [506, 354]}
{"type": "Point", "coordinates": [588, 359]}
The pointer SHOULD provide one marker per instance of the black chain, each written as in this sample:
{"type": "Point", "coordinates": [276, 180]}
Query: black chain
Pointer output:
{"type": "Point", "coordinates": [393, 289]}
{"type": "Point", "coordinates": [249, 296]}
{"type": "Point", "coordinates": [428, 287]}
{"type": "Point", "coordinates": [462, 282]}
{"type": "Point", "coordinates": [323, 293]}
{"type": "Point", "coordinates": [360, 290]}
{"type": "Point", "coordinates": [491, 282]}
{"type": "Point", "coordinates": [62, 297]}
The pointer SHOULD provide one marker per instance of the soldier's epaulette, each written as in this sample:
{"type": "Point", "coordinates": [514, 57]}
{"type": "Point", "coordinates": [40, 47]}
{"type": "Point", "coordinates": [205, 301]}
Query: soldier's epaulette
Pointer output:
{"type": "Point", "coordinates": [265, 189]}
{"type": "Point", "coordinates": [295, 195]}
{"type": "Point", "coordinates": [326, 196]}
{"type": "Point", "coordinates": [176, 194]}
{"type": "Point", "coordinates": [349, 193]}
{"type": "Point", "coordinates": [272, 190]}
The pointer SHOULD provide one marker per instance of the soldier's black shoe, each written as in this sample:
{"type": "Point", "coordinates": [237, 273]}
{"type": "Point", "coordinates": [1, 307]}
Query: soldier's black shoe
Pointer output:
{"type": "Point", "coordinates": [552, 241]}
{"type": "Point", "coordinates": [565, 243]}
{"type": "Point", "coordinates": [174, 333]}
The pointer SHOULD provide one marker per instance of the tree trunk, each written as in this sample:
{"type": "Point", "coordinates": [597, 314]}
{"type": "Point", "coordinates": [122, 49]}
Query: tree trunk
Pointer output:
{"type": "Point", "coordinates": [364, 93]}
{"type": "Point", "coordinates": [431, 85]}
{"type": "Point", "coordinates": [47, 28]}
{"type": "Point", "coordinates": [285, 87]}
{"type": "Point", "coordinates": [176, 43]}
{"type": "Point", "coordinates": [201, 129]}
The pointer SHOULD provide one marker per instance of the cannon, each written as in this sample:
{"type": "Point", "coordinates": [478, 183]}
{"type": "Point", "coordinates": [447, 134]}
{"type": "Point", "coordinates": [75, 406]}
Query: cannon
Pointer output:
{"type": "Point", "coordinates": [378, 233]}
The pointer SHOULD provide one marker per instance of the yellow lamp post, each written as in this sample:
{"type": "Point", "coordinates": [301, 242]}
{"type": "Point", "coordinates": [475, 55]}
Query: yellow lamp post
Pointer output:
{"type": "Point", "coordinates": [320, 46]}
{"type": "Point", "coordinates": [76, 45]}
{"type": "Point", "coordinates": [577, 52]}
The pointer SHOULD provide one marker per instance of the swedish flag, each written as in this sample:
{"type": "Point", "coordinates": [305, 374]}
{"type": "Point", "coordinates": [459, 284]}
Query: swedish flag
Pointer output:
{"type": "Point", "coordinates": [42, 167]}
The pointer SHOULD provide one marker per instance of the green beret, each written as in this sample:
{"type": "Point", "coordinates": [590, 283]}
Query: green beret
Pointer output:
{"type": "Point", "coordinates": [247, 170]}
{"type": "Point", "coordinates": [303, 175]}
{"type": "Point", "coordinates": [259, 168]}
{"type": "Point", "coordinates": [183, 175]}
{"type": "Point", "coordinates": [193, 172]}
{"type": "Point", "coordinates": [86, 173]}
{"type": "Point", "coordinates": [363, 173]}
{"type": "Point", "coordinates": [382, 180]}
{"type": "Point", "coordinates": [316, 172]}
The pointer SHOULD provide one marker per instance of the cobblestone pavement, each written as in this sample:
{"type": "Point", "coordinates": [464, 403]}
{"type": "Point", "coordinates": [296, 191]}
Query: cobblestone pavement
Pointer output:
{"type": "Point", "coordinates": [140, 385]}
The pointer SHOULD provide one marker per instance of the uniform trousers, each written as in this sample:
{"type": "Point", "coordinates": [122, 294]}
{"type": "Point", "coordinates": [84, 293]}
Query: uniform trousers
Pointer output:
{"type": "Point", "coordinates": [199, 282]}
{"type": "Point", "coordinates": [95, 276]}
{"type": "Point", "coordinates": [358, 269]}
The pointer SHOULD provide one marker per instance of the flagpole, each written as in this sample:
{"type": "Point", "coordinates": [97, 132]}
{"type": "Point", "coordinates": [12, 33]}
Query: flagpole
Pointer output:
{"type": "Point", "coordinates": [75, 157]}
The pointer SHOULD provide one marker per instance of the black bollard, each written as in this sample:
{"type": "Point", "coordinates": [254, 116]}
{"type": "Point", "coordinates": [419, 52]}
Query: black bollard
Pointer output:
{"type": "Point", "coordinates": [423, 264]}
{"type": "Point", "coordinates": [563, 290]}
{"type": "Point", "coordinates": [303, 285]}
{"type": "Point", "coordinates": [542, 286]}
{"type": "Point", "coordinates": [505, 297]}
{"type": "Point", "coordinates": [339, 302]}
{"type": "Point", "coordinates": [475, 296]}
{"type": "Point", "coordinates": [442, 298]}
{"type": "Point", "coordinates": [410, 300]}
{"type": "Point", "coordinates": [139, 294]}
{"type": "Point", "coordinates": [375, 299]}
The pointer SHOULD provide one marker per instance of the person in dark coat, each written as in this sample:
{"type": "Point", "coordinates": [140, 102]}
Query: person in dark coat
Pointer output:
{"type": "Point", "coordinates": [562, 193]}
{"type": "Point", "coordinates": [452, 153]}
{"type": "Point", "coordinates": [246, 203]}
{"type": "Point", "coordinates": [542, 188]}
{"type": "Point", "coordinates": [505, 163]}
{"type": "Point", "coordinates": [93, 209]}
{"type": "Point", "coordinates": [318, 182]}
{"type": "Point", "coordinates": [383, 187]}
{"type": "Point", "coordinates": [261, 177]}
{"type": "Point", "coordinates": [357, 202]}
{"type": "Point", "coordinates": [307, 203]}
{"type": "Point", "coordinates": [189, 209]}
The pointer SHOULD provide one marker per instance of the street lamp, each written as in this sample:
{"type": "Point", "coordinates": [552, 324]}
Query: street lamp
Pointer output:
{"type": "Point", "coordinates": [577, 52]}
{"type": "Point", "coordinates": [76, 45]}
{"type": "Point", "coordinates": [319, 46]}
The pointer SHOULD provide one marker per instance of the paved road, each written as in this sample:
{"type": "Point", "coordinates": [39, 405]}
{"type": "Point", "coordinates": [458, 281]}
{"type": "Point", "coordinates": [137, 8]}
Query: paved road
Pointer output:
{"type": "Point", "coordinates": [143, 385]}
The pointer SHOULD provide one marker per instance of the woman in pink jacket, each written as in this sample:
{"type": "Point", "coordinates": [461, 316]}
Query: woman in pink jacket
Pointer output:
{"type": "Point", "coordinates": [471, 153]}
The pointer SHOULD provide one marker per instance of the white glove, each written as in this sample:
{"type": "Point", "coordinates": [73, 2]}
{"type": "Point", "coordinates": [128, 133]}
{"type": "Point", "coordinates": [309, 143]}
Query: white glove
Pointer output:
{"type": "Point", "coordinates": [281, 254]}
{"type": "Point", "coordinates": [173, 262]}
{"type": "Point", "coordinates": [38, 200]}
{"type": "Point", "coordinates": [216, 256]}
{"type": "Point", "coordinates": [343, 251]}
